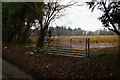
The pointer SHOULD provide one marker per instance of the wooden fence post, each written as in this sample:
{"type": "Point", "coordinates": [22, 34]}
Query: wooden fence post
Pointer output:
{"type": "Point", "coordinates": [88, 47]}
{"type": "Point", "coordinates": [70, 43]}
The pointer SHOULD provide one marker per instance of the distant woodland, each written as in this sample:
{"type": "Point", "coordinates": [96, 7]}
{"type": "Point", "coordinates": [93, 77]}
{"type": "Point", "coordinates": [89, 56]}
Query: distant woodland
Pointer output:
{"type": "Point", "coordinates": [63, 31]}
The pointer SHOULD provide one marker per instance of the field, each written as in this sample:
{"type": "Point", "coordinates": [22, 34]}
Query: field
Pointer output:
{"type": "Point", "coordinates": [100, 41]}
{"type": "Point", "coordinates": [64, 44]}
{"type": "Point", "coordinates": [93, 39]}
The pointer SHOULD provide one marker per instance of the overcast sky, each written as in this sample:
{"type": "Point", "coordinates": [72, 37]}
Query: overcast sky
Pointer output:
{"type": "Point", "coordinates": [80, 17]}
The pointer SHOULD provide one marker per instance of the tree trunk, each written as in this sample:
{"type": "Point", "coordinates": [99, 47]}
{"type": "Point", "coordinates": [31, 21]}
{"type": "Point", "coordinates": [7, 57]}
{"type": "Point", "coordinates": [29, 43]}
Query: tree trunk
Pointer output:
{"type": "Point", "coordinates": [41, 38]}
{"type": "Point", "coordinates": [23, 34]}
{"type": "Point", "coordinates": [10, 37]}
{"type": "Point", "coordinates": [23, 37]}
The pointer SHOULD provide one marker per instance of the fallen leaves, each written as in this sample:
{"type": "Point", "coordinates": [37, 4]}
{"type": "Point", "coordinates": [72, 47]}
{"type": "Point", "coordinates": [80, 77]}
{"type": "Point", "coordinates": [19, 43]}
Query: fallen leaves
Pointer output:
{"type": "Point", "coordinates": [53, 66]}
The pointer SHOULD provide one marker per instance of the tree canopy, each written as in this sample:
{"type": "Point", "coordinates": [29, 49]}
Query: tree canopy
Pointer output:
{"type": "Point", "coordinates": [18, 17]}
{"type": "Point", "coordinates": [111, 14]}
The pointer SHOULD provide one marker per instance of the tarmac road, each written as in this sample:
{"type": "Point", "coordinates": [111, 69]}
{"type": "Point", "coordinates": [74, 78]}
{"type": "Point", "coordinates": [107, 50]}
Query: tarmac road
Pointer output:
{"type": "Point", "coordinates": [10, 71]}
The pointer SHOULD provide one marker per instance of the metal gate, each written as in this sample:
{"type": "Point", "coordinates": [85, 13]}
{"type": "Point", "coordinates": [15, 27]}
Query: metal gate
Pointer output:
{"type": "Point", "coordinates": [75, 47]}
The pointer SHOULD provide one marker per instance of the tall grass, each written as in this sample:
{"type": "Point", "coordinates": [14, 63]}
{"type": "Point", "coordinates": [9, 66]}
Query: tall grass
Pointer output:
{"type": "Point", "coordinates": [93, 39]}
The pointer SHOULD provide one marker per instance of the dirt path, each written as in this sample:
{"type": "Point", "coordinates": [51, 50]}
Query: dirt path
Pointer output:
{"type": "Point", "coordinates": [11, 71]}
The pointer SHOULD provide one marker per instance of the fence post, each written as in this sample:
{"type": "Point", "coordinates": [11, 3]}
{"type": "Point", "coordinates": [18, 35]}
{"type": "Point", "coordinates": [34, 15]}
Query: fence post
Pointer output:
{"type": "Point", "coordinates": [57, 45]}
{"type": "Point", "coordinates": [70, 43]}
{"type": "Point", "coordinates": [88, 47]}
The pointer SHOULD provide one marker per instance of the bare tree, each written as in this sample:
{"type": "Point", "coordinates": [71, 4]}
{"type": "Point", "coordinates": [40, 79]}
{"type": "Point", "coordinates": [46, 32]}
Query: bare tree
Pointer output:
{"type": "Point", "coordinates": [52, 10]}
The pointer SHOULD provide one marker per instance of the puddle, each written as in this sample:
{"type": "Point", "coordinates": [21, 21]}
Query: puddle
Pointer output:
{"type": "Point", "coordinates": [102, 45]}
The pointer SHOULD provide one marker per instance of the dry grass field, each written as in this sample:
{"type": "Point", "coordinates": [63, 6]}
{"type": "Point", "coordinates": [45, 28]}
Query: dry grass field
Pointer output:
{"type": "Point", "coordinates": [93, 39]}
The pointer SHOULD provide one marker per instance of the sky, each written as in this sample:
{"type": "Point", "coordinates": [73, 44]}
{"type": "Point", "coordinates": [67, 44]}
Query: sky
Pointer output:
{"type": "Point", "coordinates": [80, 17]}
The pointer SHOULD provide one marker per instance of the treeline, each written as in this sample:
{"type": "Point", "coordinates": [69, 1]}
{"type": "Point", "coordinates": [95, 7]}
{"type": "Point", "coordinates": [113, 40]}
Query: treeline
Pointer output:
{"type": "Point", "coordinates": [63, 31]}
